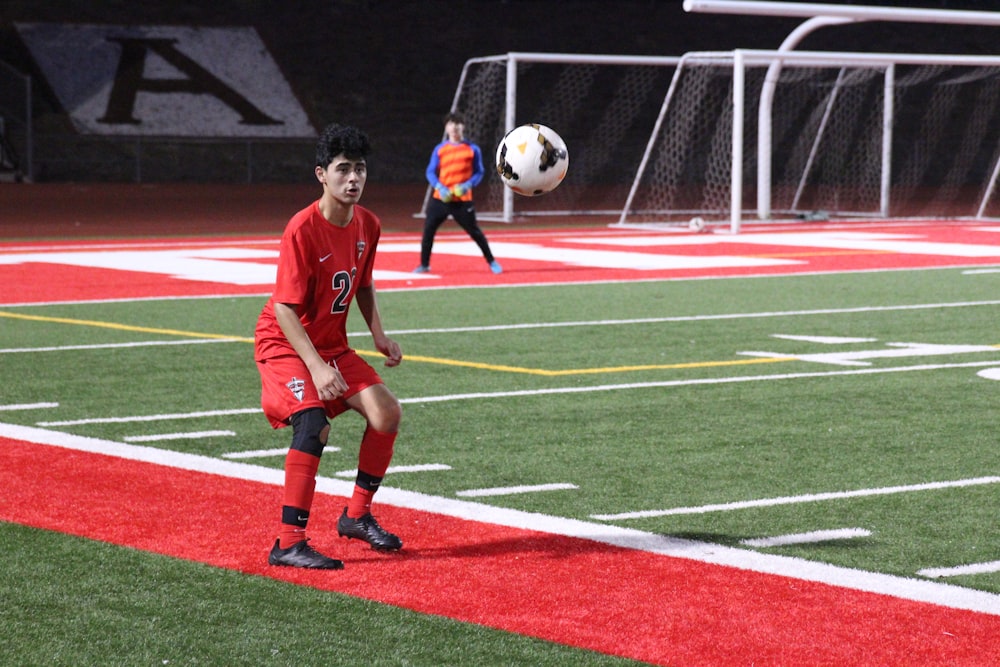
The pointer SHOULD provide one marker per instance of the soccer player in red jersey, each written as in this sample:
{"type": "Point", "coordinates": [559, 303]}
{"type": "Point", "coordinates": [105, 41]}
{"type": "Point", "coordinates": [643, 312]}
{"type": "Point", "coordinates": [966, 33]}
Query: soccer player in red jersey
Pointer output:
{"type": "Point", "coordinates": [308, 371]}
{"type": "Point", "coordinates": [455, 167]}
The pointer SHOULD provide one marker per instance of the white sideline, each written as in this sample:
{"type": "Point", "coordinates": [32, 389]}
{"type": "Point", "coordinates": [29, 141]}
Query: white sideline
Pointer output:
{"type": "Point", "coordinates": [918, 590]}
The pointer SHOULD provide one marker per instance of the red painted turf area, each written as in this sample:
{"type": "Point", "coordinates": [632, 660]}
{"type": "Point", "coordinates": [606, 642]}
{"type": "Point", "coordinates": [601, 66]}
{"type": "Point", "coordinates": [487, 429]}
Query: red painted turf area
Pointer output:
{"type": "Point", "coordinates": [40, 281]}
{"type": "Point", "coordinates": [617, 601]}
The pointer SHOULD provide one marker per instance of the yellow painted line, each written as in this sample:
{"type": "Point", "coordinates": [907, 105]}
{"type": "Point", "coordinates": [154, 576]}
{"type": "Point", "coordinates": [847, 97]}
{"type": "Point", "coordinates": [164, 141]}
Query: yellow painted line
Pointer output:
{"type": "Point", "coordinates": [411, 358]}
{"type": "Point", "coordinates": [121, 327]}
{"type": "Point", "coordinates": [589, 371]}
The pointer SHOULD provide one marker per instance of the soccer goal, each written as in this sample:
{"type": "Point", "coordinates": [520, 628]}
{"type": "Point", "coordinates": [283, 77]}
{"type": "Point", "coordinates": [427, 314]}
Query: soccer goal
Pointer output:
{"type": "Point", "coordinates": [786, 135]}
{"type": "Point", "coordinates": [603, 107]}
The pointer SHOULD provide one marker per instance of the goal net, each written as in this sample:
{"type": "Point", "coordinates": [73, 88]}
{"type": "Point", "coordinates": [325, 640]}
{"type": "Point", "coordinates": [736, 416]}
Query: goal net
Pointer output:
{"type": "Point", "coordinates": [603, 107]}
{"type": "Point", "coordinates": [801, 135]}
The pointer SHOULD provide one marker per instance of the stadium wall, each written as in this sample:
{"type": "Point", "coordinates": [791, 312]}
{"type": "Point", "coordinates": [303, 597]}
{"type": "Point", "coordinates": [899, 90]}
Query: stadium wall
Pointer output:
{"type": "Point", "coordinates": [390, 67]}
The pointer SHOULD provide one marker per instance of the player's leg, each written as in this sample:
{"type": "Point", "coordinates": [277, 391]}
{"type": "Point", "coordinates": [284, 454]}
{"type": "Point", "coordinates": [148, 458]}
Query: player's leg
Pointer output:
{"type": "Point", "coordinates": [437, 213]}
{"type": "Point", "coordinates": [282, 392]}
{"type": "Point", "coordinates": [310, 431]}
{"type": "Point", "coordinates": [382, 412]}
{"type": "Point", "coordinates": [465, 216]}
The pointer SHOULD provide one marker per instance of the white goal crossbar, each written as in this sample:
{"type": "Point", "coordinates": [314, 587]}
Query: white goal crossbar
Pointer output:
{"type": "Point", "coordinates": [738, 110]}
{"type": "Point", "coordinates": [852, 12]}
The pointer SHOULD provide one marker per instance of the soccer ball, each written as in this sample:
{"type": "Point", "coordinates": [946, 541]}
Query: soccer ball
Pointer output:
{"type": "Point", "coordinates": [532, 160]}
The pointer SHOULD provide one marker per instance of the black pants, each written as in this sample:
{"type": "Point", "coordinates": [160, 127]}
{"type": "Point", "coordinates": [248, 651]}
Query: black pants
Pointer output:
{"type": "Point", "coordinates": [464, 213]}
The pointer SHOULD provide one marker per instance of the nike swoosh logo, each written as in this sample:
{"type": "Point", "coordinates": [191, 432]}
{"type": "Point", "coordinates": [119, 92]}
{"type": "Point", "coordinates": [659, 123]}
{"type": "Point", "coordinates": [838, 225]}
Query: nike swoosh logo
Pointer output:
{"type": "Point", "coordinates": [325, 257]}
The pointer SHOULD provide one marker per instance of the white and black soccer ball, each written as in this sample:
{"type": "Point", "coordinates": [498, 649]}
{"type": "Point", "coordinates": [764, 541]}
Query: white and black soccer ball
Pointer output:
{"type": "Point", "coordinates": [532, 160]}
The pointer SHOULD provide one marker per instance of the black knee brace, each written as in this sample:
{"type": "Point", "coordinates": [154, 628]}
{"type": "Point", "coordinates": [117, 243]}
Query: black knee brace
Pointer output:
{"type": "Point", "coordinates": [309, 431]}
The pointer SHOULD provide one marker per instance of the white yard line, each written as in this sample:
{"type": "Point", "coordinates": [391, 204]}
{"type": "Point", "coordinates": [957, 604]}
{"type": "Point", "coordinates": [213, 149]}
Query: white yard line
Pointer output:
{"type": "Point", "coordinates": [794, 500]}
{"type": "Point", "coordinates": [576, 323]}
{"type": "Point", "coordinates": [919, 590]}
{"type": "Point", "coordinates": [700, 381]}
{"type": "Point", "coordinates": [697, 318]}
{"type": "Point", "coordinates": [542, 392]}
{"type": "Point", "coordinates": [115, 346]}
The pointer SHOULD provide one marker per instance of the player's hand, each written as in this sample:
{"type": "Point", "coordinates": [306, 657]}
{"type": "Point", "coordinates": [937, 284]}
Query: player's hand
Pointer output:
{"type": "Point", "coordinates": [444, 193]}
{"type": "Point", "coordinates": [459, 190]}
{"type": "Point", "coordinates": [390, 348]}
{"type": "Point", "coordinates": [330, 384]}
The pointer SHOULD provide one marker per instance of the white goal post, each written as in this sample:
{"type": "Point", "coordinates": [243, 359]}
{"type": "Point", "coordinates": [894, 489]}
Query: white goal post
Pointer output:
{"type": "Point", "coordinates": [847, 134]}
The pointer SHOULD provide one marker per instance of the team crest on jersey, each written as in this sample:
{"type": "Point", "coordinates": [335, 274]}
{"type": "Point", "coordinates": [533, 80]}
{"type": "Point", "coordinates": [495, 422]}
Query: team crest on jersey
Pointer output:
{"type": "Point", "coordinates": [361, 248]}
{"type": "Point", "coordinates": [297, 387]}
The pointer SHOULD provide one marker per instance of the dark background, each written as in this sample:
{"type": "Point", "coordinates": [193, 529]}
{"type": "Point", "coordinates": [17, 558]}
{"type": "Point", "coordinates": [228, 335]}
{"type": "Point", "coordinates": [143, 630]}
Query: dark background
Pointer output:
{"type": "Point", "coordinates": [391, 66]}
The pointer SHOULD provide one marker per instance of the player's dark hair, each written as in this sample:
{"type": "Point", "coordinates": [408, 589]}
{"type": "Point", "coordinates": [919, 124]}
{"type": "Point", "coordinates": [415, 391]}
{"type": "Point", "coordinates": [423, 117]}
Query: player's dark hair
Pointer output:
{"type": "Point", "coordinates": [341, 139]}
{"type": "Point", "coordinates": [454, 116]}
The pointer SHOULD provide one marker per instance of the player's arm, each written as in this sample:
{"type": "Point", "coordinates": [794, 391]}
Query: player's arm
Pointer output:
{"type": "Point", "coordinates": [477, 167]}
{"type": "Point", "coordinates": [327, 378]}
{"type": "Point", "coordinates": [431, 173]}
{"type": "Point", "coordinates": [368, 305]}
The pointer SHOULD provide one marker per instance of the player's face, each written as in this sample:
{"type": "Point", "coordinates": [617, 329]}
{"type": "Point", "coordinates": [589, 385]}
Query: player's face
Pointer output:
{"type": "Point", "coordinates": [454, 130]}
{"type": "Point", "coordinates": [344, 179]}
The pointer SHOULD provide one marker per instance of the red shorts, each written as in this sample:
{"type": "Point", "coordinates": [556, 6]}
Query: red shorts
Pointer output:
{"type": "Point", "coordinates": [287, 386]}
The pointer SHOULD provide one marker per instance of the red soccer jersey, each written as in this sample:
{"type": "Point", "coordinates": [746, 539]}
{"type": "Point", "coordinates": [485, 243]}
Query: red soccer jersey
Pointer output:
{"type": "Point", "coordinates": [320, 268]}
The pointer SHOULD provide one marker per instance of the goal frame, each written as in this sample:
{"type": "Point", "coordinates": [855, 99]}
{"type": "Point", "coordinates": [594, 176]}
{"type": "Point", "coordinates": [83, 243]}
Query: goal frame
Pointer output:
{"type": "Point", "coordinates": [742, 59]}
{"type": "Point", "coordinates": [512, 60]}
{"type": "Point", "coordinates": [821, 15]}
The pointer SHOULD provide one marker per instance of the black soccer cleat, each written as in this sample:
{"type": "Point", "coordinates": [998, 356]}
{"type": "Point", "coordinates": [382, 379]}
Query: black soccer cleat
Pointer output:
{"type": "Point", "coordinates": [366, 528]}
{"type": "Point", "coordinates": [301, 554]}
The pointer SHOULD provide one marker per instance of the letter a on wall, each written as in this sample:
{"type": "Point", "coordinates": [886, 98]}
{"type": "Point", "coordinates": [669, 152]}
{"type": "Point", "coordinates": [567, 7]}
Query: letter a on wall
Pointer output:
{"type": "Point", "coordinates": [166, 80]}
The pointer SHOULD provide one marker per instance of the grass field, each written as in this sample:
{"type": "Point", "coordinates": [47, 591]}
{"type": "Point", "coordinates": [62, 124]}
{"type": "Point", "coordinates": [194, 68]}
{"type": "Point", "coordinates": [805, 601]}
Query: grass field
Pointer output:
{"type": "Point", "coordinates": [660, 406]}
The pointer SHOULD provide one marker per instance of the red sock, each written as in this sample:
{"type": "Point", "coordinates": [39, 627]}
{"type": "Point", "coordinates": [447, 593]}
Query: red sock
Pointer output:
{"type": "Point", "coordinates": [300, 486]}
{"type": "Point", "coordinates": [360, 503]}
{"type": "Point", "coordinates": [373, 461]}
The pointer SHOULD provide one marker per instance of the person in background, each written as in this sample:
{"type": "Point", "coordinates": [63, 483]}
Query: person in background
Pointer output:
{"type": "Point", "coordinates": [455, 167]}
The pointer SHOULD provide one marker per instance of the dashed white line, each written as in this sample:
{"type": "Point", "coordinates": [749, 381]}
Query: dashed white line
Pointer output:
{"type": "Point", "coordinates": [514, 490]}
{"type": "Point", "coordinates": [193, 435]}
{"type": "Point", "coordinates": [806, 538]}
{"type": "Point", "coordinates": [264, 453]}
{"type": "Point", "coordinates": [151, 418]}
{"type": "Point", "coordinates": [28, 406]}
{"type": "Point", "coordinates": [421, 467]}
{"type": "Point", "coordinates": [974, 568]}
